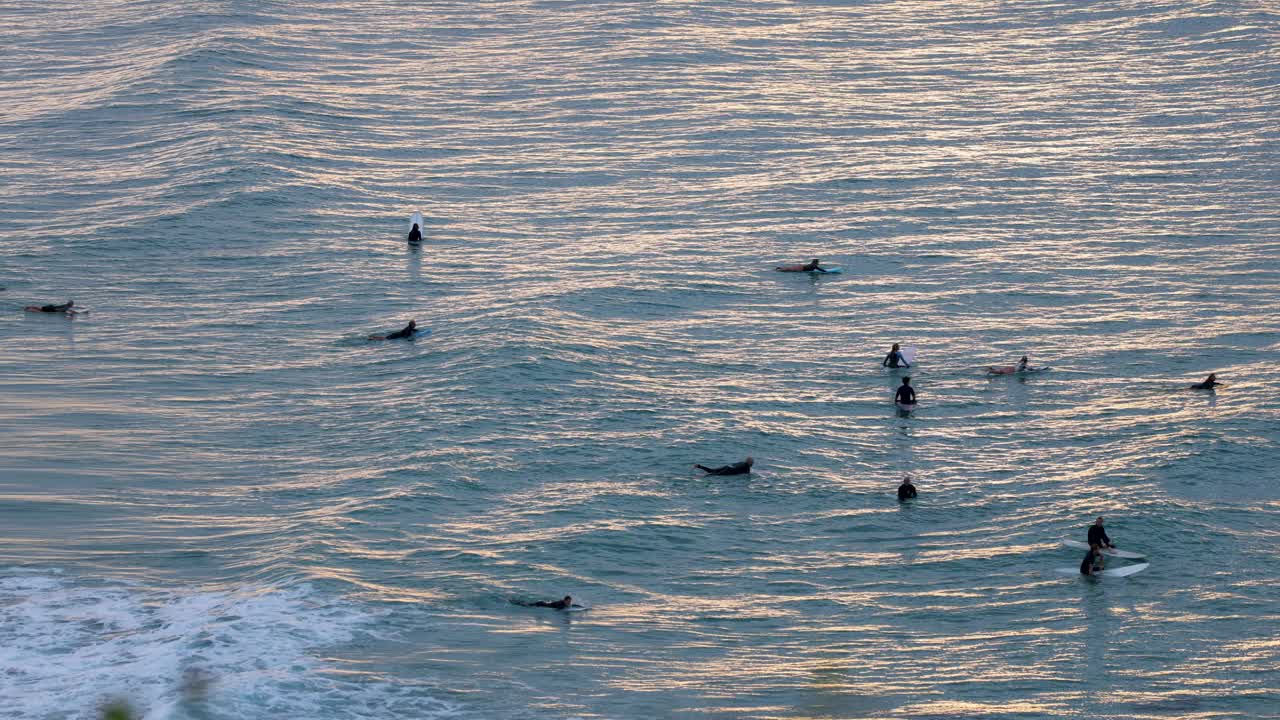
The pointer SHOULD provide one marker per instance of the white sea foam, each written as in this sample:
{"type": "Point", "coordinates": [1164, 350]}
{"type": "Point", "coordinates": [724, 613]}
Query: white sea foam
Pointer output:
{"type": "Point", "coordinates": [65, 648]}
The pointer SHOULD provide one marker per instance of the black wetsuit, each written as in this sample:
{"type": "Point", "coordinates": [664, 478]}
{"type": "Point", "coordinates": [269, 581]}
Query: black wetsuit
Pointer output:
{"type": "Point", "coordinates": [738, 468]}
{"type": "Point", "coordinates": [555, 605]}
{"type": "Point", "coordinates": [1086, 565]}
{"type": "Point", "coordinates": [55, 308]}
{"type": "Point", "coordinates": [905, 395]}
{"type": "Point", "coordinates": [906, 491]}
{"type": "Point", "coordinates": [813, 267]}
{"type": "Point", "coordinates": [1098, 536]}
{"type": "Point", "coordinates": [894, 359]}
{"type": "Point", "coordinates": [407, 332]}
{"type": "Point", "coordinates": [415, 235]}
{"type": "Point", "coordinates": [1206, 385]}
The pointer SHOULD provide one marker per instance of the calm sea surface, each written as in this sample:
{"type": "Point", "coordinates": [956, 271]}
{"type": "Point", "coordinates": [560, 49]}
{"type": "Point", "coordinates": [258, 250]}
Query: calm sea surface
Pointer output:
{"type": "Point", "coordinates": [214, 479]}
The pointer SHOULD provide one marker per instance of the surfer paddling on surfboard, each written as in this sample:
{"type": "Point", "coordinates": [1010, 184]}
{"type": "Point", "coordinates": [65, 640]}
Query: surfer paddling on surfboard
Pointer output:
{"type": "Point", "coordinates": [564, 604]}
{"type": "Point", "coordinates": [415, 235]}
{"type": "Point", "coordinates": [1209, 383]}
{"type": "Point", "coordinates": [65, 308]}
{"type": "Point", "coordinates": [1009, 369]}
{"type": "Point", "coordinates": [811, 266]}
{"type": "Point", "coordinates": [895, 358]}
{"type": "Point", "coordinates": [406, 333]}
{"type": "Point", "coordinates": [738, 468]}
{"type": "Point", "coordinates": [1098, 536]}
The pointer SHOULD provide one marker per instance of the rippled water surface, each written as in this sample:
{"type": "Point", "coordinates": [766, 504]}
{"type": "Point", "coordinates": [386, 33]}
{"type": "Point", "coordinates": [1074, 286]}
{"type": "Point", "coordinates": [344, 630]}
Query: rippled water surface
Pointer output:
{"type": "Point", "coordinates": [214, 480]}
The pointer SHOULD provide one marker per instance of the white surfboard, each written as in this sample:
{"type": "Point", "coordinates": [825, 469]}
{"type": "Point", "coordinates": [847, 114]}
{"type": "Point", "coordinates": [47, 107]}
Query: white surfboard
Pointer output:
{"type": "Point", "coordinates": [1112, 552]}
{"type": "Point", "coordinates": [416, 219]}
{"type": "Point", "coordinates": [905, 407]}
{"type": "Point", "coordinates": [1125, 571]}
{"type": "Point", "coordinates": [909, 354]}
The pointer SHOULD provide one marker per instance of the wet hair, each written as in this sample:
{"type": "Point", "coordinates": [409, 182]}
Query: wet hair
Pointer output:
{"type": "Point", "coordinates": [906, 380]}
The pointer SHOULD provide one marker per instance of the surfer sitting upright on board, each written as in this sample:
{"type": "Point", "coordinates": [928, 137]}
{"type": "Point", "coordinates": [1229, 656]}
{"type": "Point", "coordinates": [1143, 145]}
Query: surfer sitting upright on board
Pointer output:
{"type": "Point", "coordinates": [906, 394]}
{"type": "Point", "coordinates": [415, 235]}
{"type": "Point", "coordinates": [1009, 369]}
{"type": "Point", "coordinates": [1098, 535]}
{"type": "Point", "coordinates": [894, 358]}
{"type": "Point", "coordinates": [406, 332]}
{"type": "Point", "coordinates": [1092, 563]}
{"type": "Point", "coordinates": [906, 490]}
{"type": "Point", "coordinates": [1209, 383]}
{"type": "Point", "coordinates": [738, 468]}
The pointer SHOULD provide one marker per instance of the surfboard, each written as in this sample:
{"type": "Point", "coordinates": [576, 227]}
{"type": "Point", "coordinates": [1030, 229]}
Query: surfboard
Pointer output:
{"type": "Point", "coordinates": [1109, 551]}
{"type": "Point", "coordinates": [416, 218]}
{"type": "Point", "coordinates": [1125, 571]}
{"type": "Point", "coordinates": [909, 354]}
{"type": "Point", "coordinates": [905, 407]}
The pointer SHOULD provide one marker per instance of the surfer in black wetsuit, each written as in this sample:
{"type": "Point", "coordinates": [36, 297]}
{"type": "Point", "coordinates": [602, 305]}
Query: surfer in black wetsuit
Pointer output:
{"type": "Point", "coordinates": [738, 468]}
{"type": "Point", "coordinates": [407, 332]}
{"type": "Point", "coordinates": [906, 490]}
{"type": "Point", "coordinates": [63, 308]}
{"type": "Point", "coordinates": [1098, 535]}
{"type": "Point", "coordinates": [415, 235]}
{"type": "Point", "coordinates": [1209, 383]}
{"type": "Point", "coordinates": [1092, 563]}
{"type": "Point", "coordinates": [812, 266]}
{"type": "Point", "coordinates": [894, 359]}
{"type": "Point", "coordinates": [564, 604]}
{"type": "Point", "coordinates": [906, 394]}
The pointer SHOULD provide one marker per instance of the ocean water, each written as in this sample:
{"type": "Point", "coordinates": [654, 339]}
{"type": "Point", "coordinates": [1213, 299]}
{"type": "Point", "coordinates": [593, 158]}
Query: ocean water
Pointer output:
{"type": "Point", "coordinates": [219, 501]}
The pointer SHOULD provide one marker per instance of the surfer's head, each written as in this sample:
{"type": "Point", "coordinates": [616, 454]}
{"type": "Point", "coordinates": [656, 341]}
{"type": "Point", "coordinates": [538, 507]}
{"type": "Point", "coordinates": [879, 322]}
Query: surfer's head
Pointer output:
{"type": "Point", "coordinates": [895, 346]}
{"type": "Point", "coordinates": [750, 461]}
{"type": "Point", "coordinates": [415, 226]}
{"type": "Point", "coordinates": [568, 601]}
{"type": "Point", "coordinates": [413, 323]}
{"type": "Point", "coordinates": [1212, 377]}
{"type": "Point", "coordinates": [906, 381]}
{"type": "Point", "coordinates": [1098, 521]}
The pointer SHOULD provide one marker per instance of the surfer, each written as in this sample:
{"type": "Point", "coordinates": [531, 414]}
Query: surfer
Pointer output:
{"type": "Point", "coordinates": [415, 235]}
{"type": "Point", "coordinates": [406, 332]}
{"type": "Point", "coordinates": [564, 604]}
{"type": "Point", "coordinates": [1092, 563]}
{"type": "Point", "coordinates": [1209, 383]}
{"type": "Point", "coordinates": [1098, 535]}
{"type": "Point", "coordinates": [63, 308]}
{"type": "Point", "coordinates": [738, 468]}
{"type": "Point", "coordinates": [906, 394]}
{"type": "Point", "coordinates": [906, 490]}
{"type": "Point", "coordinates": [811, 266]}
{"type": "Point", "coordinates": [1009, 369]}
{"type": "Point", "coordinates": [894, 359]}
